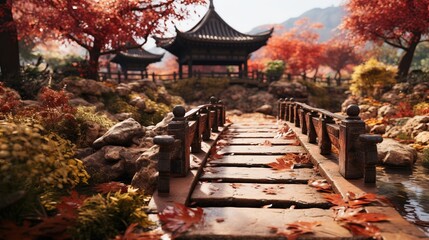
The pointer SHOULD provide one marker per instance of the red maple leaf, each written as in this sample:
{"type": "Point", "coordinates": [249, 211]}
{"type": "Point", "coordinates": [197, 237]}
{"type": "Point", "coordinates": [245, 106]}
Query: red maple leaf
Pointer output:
{"type": "Point", "coordinates": [270, 191]}
{"type": "Point", "coordinates": [335, 199]}
{"type": "Point", "coordinates": [179, 219]}
{"type": "Point", "coordinates": [321, 185]}
{"type": "Point", "coordinates": [281, 164]}
{"type": "Point", "coordinates": [266, 143]}
{"type": "Point", "coordinates": [365, 230]}
{"type": "Point", "coordinates": [105, 188]}
{"type": "Point", "coordinates": [296, 229]}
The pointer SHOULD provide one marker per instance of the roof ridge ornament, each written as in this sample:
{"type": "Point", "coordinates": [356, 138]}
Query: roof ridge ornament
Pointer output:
{"type": "Point", "coordinates": [211, 4]}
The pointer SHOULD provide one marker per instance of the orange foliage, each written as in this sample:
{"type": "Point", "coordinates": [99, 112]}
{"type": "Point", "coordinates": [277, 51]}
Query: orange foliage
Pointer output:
{"type": "Point", "coordinates": [298, 48]}
{"type": "Point", "coordinates": [338, 54]}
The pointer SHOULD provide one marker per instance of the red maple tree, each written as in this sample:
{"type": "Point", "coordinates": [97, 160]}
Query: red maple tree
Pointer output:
{"type": "Point", "coordinates": [402, 24]}
{"type": "Point", "coordinates": [338, 54]}
{"type": "Point", "coordinates": [101, 27]}
{"type": "Point", "coordinates": [298, 48]}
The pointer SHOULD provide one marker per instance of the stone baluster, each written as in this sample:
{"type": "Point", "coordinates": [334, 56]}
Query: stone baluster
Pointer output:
{"type": "Point", "coordinates": [369, 147]}
{"type": "Point", "coordinates": [302, 114]}
{"type": "Point", "coordinates": [179, 128]}
{"type": "Point", "coordinates": [351, 159]}
{"type": "Point", "coordinates": [324, 142]}
{"type": "Point", "coordinates": [213, 107]}
{"type": "Point", "coordinates": [311, 130]}
{"type": "Point", "coordinates": [165, 143]}
{"type": "Point", "coordinates": [296, 114]}
{"type": "Point", "coordinates": [222, 114]}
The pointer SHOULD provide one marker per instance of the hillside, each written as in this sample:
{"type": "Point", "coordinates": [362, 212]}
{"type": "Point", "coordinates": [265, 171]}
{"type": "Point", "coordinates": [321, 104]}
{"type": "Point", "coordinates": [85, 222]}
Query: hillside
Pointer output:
{"type": "Point", "coordinates": [330, 17]}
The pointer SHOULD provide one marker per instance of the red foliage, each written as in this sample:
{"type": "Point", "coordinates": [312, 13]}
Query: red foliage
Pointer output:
{"type": "Point", "coordinates": [402, 24]}
{"type": "Point", "coordinates": [298, 48]}
{"type": "Point", "coordinates": [404, 109]}
{"type": "Point", "coordinates": [281, 164]}
{"type": "Point", "coordinates": [321, 185]}
{"type": "Point", "coordinates": [111, 187]}
{"type": "Point", "coordinates": [179, 219]}
{"type": "Point", "coordinates": [296, 229]}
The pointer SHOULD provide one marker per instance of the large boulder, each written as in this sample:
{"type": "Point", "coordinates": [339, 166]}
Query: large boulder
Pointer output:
{"type": "Point", "coordinates": [82, 87]}
{"type": "Point", "coordinates": [147, 175]}
{"type": "Point", "coordinates": [265, 109]}
{"type": "Point", "coordinates": [105, 165]}
{"type": "Point", "coordinates": [394, 154]}
{"type": "Point", "coordinates": [121, 134]}
{"type": "Point", "coordinates": [416, 125]}
{"type": "Point", "coordinates": [423, 138]}
{"type": "Point", "coordinates": [286, 89]}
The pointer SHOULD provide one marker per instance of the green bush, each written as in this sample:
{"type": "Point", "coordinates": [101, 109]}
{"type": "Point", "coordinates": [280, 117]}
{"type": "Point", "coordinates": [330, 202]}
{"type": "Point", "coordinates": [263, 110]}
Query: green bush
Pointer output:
{"type": "Point", "coordinates": [89, 114]}
{"type": "Point", "coordinates": [34, 163]}
{"type": "Point", "coordinates": [104, 216]}
{"type": "Point", "coordinates": [369, 78]}
{"type": "Point", "coordinates": [275, 69]}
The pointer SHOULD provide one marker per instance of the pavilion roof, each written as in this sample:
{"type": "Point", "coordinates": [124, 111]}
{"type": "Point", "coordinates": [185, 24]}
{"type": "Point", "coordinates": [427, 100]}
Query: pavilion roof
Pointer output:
{"type": "Point", "coordinates": [136, 55]}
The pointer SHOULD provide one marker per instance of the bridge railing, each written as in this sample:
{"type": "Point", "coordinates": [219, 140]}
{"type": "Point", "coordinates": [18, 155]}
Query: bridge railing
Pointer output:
{"type": "Point", "coordinates": [357, 150]}
{"type": "Point", "coordinates": [186, 132]}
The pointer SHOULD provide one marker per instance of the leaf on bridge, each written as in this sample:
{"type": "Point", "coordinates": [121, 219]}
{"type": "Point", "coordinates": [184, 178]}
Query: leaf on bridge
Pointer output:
{"type": "Point", "coordinates": [296, 229]}
{"type": "Point", "coordinates": [335, 199]}
{"type": "Point", "coordinates": [281, 164]}
{"type": "Point", "coordinates": [270, 191]}
{"type": "Point", "coordinates": [179, 219]}
{"type": "Point", "coordinates": [365, 230]}
{"type": "Point", "coordinates": [235, 185]}
{"type": "Point", "coordinates": [320, 185]}
{"type": "Point", "coordinates": [365, 199]}
{"type": "Point", "coordinates": [266, 143]}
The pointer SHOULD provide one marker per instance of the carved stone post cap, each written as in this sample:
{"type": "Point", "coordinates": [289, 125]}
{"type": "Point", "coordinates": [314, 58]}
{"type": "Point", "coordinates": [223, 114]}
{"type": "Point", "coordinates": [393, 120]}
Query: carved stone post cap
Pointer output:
{"type": "Point", "coordinates": [291, 99]}
{"type": "Point", "coordinates": [281, 99]}
{"type": "Point", "coordinates": [179, 111]}
{"type": "Point", "coordinates": [163, 140]}
{"type": "Point", "coordinates": [370, 138]}
{"type": "Point", "coordinates": [213, 100]}
{"type": "Point", "coordinates": [353, 111]}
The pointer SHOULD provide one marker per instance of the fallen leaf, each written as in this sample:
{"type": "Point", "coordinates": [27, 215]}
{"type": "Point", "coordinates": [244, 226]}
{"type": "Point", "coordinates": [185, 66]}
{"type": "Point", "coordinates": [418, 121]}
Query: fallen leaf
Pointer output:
{"type": "Point", "coordinates": [362, 199]}
{"type": "Point", "coordinates": [222, 143]}
{"type": "Point", "coordinates": [179, 219]}
{"type": "Point", "coordinates": [270, 191]}
{"type": "Point", "coordinates": [281, 164]}
{"type": "Point", "coordinates": [335, 199]}
{"type": "Point", "coordinates": [296, 229]}
{"type": "Point", "coordinates": [320, 185]}
{"type": "Point", "coordinates": [216, 156]}
{"type": "Point", "coordinates": [365, 230]}
{"type": "Point", "coordinates": [105, 188]}
{"type": "Point", "coordinates": [219, 220]}
{"type": "Point", "coordinates": [296, 143]}
{"type": "Point", "coordinates": [235, 185]}
{"type": "Point", "coordinates": [266, 143]}
{"type": "Point", "coordinates": [302, 158]}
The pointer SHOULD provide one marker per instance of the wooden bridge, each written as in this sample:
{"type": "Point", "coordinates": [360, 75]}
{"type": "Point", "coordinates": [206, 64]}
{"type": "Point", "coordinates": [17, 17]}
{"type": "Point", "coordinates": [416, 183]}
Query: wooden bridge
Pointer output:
{"type": "Point", "coordinates": [252, 179]}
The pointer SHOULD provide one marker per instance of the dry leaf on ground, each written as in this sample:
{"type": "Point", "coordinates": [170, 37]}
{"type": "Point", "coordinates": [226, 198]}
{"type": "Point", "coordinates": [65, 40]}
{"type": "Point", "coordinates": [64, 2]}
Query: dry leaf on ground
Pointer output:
{"type": "Point", "coordinates": [281, 164]}
{"type": "Point", "coordinates": [179, 219]}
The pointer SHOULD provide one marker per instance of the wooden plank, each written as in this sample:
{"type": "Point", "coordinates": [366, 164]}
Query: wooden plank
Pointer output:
{"type": "Point", "coordinates": [253, 125]}
{"type": "Point", "coordinates": [251, 130]}
{"type": "Point", "coordinates": [208, 194]}
{"type": "Point", "coordinates": [261, 150]}
{"type": "Point", "coordinates": [251, 135]}
{"type": "Point", "coordinates": [248, 161]}
{"type": "Point", "coordinates": [256, 141]}
{"type": "Point", "coordinates": [257, 175]}
{"type": "Point", "coordinates": [256, 223]}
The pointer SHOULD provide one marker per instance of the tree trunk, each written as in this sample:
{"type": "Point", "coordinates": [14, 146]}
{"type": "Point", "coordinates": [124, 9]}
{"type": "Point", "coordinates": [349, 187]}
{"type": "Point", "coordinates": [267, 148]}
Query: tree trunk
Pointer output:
{"type": "Point", "coordinates": [406, 60]}
{"type": "Point", "coordinates": [9, 57]}
{"type": "Point", "coordinates": [338, 79]}
{"type": "Point", "coordinates": [92, 71]}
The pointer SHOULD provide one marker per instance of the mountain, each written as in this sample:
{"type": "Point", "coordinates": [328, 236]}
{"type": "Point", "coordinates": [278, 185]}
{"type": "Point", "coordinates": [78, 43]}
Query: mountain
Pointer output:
{"type": "Point", "coordinates": [330, 17]}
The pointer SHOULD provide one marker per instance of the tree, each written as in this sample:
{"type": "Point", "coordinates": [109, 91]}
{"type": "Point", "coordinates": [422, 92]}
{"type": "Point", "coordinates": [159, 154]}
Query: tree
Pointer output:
{"type": "Point", "coordinates": [298, 48]}
{"type": "Point", "coordinates": [402, 24]}
{"type": "Point", "coordinates": [9, 57]}
{"type": "Point", "coordinates": [101, 27]}
{"type": "Point", "coordinates": [338, 54]}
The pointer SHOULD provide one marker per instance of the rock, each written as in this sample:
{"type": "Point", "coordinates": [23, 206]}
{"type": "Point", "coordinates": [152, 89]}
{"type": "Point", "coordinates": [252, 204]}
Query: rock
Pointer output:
{"type": "Point", "coordinates": [121, 134]}
{"type": "Point", "coordinates": [131, 157]}
{"type": "Point", "coordinates": [123, 90]}
{"type": "Point", "coordinates": [147, 176]}
{"type": "Point", "coordinates": [415, 125]}
{"type": "Point", "coordinates": [265, 109]}
{"type": "Point", "coordinates": [367, 111]}
{"type": "Point", "coordinates": [123, 116]}
{"type": "Point", "coordinates": [79, 102]}
{"type": "Point", "coordinates": [80, 86]}
{"type": "Point", "coordinates": [349, 101]}
{"type": "Point", "coordinates": [138, 102]}
{"type": "Point", "coordinates": [102, 171]}
{"type": "Point", "coordinates": [113, 153]}
{"type": "Point", "coordinates": [29, 103]}
{"type": "Point", "coordinates": [423, 138]}
{"type": "Point", "coordinates": [378, 129]}
{"type": "Point", "coordinates": [390, 97]}
{"type": "Point", "coordinates": [386, 111]}
{"type": "Point", "coordinates": [161, 127]}
{"type": "Point", "coordinates": [286, 89]}
{"type": "Point", "coordinates": [235, 112]}
{"type": "Point", "coordinates": [392, 153]}
{"type": "Point", "coordinates": [82, 153]}
{"type": "Point", "coordinates": [92, 132]}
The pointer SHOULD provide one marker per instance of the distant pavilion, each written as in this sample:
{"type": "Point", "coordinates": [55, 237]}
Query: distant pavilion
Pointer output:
{"type": "Point", "coordinates": [135, 60]}
{"type": "Point", "coordinates": [212, 42]}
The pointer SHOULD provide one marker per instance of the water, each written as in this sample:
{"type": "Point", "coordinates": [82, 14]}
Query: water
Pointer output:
{"type": "Point", "coordinates": [408, 190]}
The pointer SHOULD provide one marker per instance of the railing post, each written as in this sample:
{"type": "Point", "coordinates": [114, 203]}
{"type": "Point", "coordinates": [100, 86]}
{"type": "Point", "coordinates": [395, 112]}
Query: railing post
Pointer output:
{"type": "Point", "coordinates": [174, 76]}
{"type": "Point", "coordinates": [213, 102]}
{"type": "Point", "coordinates": [179, 128]}
{"type": "Point", "coordinates": [280, 112]}
{"type": "Point", "coordinates": [165, 143]}
{"type": "Point", "coordinates": [196, 141]}
{"type": "Point", "coordinates": [296, 114]}
{"type": "Point", "coordinates": [325, 143]}
{"type": "Point", "coordinates": [207, 129]}
{"type": "Point", "coordinates": [369, 147]}
{"type": "Point", "coordinates": [311, 130]}
{"type": "Point", "coordinates": [351, 159]}
{"type": "Point", "coordinates": [153, 76]}
{"type": "Point", "coordinates": [286, 109]}
{"type": "Point", "coordinates": [291, 111]}
{"type": "Point", "coordinates": [302, 114]}
{"type": "Point", "coordinates": [222, 114]}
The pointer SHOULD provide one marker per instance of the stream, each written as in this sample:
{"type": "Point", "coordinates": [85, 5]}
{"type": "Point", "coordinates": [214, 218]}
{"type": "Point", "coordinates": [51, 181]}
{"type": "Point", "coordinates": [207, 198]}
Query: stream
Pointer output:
{"type": "Point", "coordinates": [408, 190]}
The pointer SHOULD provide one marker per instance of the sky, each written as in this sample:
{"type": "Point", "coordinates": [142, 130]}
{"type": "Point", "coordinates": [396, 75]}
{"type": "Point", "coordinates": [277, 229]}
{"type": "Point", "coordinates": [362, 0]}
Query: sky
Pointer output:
{"type": "Point", "coordinates": [244, 15]}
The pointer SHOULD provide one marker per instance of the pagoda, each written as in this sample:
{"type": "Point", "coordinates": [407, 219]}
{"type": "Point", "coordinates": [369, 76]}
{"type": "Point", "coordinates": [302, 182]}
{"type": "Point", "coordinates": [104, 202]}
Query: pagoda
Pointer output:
{"type": "Point", "coordinates": [213, 42]}
{"type": "Point", "coordinates": [135, 60]}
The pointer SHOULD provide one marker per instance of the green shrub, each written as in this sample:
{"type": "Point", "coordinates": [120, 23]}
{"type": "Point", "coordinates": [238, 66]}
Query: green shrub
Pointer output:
{"type": "Point", "coordinates": [371, 77]}
{"type": "Point", "coordinates": [157, 113]}
{"type": "Point", "coordinates": [34, 163]}
{"type": "Point", "coordinates": [275, 69]}
{"type": "Point", "coordinates": [104, 216]}
{"type": "Point", "coordinates": [89, 114]}
{"type": "Point", "coordinates": [421, 108]}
